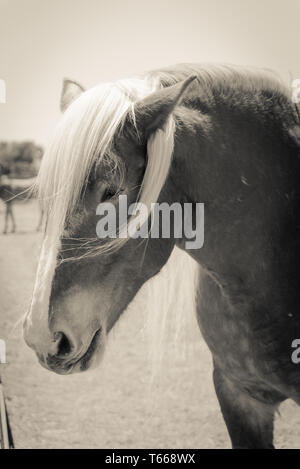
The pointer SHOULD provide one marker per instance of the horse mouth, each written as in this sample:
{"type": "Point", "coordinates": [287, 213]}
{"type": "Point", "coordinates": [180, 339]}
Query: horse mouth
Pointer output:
{"type": "Point", "coordinates": [86, 358]}
{"type": "Point", "coordinates": [65, 367]}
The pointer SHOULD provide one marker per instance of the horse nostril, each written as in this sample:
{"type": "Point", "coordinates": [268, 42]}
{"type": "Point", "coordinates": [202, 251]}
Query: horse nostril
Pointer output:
{"type": "Point", "coordinates": [64, 346]}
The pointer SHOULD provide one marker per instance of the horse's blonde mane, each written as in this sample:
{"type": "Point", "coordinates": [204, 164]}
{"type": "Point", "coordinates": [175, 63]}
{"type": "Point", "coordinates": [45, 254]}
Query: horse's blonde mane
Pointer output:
{"type": "Point", "coordinates": [219, 77]}
{"type": "Point", "coordinates": [84, 137]}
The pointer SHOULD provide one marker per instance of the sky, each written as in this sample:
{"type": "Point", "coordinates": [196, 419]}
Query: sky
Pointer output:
{"type": "Point", "coordinates": [43, 41]}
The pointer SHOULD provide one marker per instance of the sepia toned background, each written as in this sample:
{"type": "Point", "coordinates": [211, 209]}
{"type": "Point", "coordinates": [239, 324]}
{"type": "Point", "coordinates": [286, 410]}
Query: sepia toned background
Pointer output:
{"type": "Point", "coordinates": [120, 405]}
{"type": "Point", "coordinates": [42, 41]}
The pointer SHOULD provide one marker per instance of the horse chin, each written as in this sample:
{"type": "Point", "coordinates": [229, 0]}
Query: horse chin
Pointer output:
{"type": "Point", "coordinates": [93, 356]}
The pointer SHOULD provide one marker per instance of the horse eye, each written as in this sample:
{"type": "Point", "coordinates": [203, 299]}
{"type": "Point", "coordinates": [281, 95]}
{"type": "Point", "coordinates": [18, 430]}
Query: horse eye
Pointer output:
{"type": "Point", "coordinates": [109, 193]}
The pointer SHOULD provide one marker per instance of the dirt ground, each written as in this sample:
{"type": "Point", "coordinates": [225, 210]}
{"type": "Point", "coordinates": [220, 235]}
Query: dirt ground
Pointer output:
{"type": "Point", "coordinates": [117, 405]}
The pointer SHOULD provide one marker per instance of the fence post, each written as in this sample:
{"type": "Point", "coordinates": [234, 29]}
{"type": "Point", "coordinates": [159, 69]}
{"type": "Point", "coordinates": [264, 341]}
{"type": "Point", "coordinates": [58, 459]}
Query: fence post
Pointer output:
{"type": "Point", "coordinates": [3, 420]}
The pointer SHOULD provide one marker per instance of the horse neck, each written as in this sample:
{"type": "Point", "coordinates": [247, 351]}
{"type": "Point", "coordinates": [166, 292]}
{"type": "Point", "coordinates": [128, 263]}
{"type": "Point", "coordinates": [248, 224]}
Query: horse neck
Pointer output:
{"type": "Point", "coordinates": [246, 175]}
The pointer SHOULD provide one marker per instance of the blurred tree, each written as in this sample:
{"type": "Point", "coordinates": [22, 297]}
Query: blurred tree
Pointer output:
{"type": "Point", "coordinates": [20, 159]}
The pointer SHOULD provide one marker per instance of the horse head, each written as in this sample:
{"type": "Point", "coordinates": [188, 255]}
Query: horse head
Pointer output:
{"type": "Point", "coordinates": [112, 140]}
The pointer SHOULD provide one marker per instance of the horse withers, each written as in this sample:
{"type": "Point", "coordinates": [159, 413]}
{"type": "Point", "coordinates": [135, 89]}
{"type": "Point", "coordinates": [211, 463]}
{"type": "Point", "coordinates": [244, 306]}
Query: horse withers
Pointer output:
{"type": "Point", "coordinates": [224, 136]}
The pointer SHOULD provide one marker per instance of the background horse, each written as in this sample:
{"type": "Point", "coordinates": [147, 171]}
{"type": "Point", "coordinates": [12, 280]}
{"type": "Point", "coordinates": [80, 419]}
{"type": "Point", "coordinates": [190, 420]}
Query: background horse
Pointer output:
{"type": "Point", "coordinates": [222, 135]}
{"type": "Point", "coordinates": [14, 190]}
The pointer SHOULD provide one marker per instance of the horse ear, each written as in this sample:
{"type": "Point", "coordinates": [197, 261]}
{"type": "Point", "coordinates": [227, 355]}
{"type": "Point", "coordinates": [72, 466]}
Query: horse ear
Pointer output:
{"type": "Point", "coordinates": [152, 112]}
{"type": "Point", "coordinates": [70, 91]}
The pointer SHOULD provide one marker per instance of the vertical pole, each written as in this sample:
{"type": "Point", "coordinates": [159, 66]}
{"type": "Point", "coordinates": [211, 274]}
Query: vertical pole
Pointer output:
{"type": "Point", "coordinates": [3, 420]}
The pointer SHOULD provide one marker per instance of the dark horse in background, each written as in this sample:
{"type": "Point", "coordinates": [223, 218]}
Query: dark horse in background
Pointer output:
{"type": "Point", "coordinates": [14, 190]}
{"type": "Point", "coordinates": [223, 135]}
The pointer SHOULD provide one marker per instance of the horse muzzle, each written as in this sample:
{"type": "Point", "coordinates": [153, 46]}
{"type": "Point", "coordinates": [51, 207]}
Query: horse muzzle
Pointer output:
{"type": "Point", "coordinates": [61, 352]}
